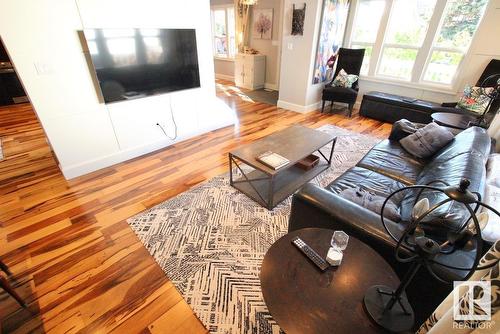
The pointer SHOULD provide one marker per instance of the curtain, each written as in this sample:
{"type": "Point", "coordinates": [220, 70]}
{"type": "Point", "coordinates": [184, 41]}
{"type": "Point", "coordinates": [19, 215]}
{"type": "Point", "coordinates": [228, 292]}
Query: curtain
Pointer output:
{"type": "Point", "coordinates": [242, 24]}
{"type": "Point", "coordinates": [494, 131]}
{"type": "Point", "coordinates": [441, 321]}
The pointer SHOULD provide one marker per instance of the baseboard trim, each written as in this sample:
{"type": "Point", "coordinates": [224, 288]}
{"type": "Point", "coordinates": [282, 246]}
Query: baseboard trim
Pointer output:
{"type": "Point", "coordinates": [90, 166]}
{"type": "Point", "coordinates": [224, 77]}
{"type": "Point", "coordinates": [297, 107]}
{"type": "Point", "coordinates": [270, 86]}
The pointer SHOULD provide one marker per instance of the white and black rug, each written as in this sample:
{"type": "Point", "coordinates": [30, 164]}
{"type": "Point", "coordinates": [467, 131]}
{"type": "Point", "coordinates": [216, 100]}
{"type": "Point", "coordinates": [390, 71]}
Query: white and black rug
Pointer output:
{"type": "Point", "coordinates": [211, 241]}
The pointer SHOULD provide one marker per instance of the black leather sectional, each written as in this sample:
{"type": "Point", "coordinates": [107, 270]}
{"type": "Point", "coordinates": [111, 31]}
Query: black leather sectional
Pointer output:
{"type": "Point", "coordinates": [388, 167]}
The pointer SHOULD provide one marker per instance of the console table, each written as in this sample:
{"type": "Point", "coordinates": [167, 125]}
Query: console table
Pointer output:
{"type": "Point", "coordinates": [302, 299]}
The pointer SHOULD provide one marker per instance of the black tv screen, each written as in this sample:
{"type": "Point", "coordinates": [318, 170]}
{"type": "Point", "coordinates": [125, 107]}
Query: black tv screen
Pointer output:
{"type": "Point", "coordinates": [133, 63]}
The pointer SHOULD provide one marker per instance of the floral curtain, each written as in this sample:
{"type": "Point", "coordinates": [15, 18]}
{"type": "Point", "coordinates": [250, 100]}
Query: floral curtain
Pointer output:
{"type": "Point", "coordinates": [441, 321]}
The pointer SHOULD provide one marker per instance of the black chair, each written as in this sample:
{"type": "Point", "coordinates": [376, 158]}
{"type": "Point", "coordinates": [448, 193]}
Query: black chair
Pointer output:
{"type": "Point", "coordinates": [350, 60]}
{"type": "Point", "coordinates": [487, 79]}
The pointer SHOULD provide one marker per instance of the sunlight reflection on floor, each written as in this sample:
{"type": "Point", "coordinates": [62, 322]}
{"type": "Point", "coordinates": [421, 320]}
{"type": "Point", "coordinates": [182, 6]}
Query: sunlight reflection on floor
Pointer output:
{"type": "Point", "coordinates": [234, 91]}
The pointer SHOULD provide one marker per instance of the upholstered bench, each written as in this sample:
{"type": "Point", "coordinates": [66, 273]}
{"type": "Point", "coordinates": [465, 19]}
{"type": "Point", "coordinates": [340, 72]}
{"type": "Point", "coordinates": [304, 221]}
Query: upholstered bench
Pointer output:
{"type": "Point", "coordinates": [391, 108]}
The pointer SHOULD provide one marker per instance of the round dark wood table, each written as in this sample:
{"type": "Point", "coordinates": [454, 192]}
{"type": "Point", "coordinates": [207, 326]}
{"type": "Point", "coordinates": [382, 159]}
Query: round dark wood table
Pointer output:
{"type": "Point", "coordinates": [302, 299]}
{"type": "Point", "coordinates": [451, 120]}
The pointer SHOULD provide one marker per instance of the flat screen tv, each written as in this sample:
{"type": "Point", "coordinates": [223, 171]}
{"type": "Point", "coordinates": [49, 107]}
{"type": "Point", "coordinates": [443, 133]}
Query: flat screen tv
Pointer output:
{"type": "Point", "coordinates": [133, 63]}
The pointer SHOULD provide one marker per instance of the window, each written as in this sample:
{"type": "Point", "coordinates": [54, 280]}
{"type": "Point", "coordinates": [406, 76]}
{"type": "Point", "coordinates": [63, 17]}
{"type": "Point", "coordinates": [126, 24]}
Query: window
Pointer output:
{"type": "Point", "coordinates": [418, 41]}
{"type": "Point", "coordinates": [408, 23]}
{"type": "Point", "coordinates": [460, 20]}
{"type": "Point", "coordinates": [223, 32]}
{"type": "Point", "coordinates": [365, 28]}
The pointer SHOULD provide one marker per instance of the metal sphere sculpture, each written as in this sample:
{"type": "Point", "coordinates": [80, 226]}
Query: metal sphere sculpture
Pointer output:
{"type": "Point", "coordinates": [389, 308]}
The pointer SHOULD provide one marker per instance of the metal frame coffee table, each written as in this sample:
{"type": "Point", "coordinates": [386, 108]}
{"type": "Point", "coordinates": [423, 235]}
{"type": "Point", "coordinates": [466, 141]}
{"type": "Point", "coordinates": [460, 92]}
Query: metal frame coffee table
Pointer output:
{"type": "Point", "coordinates": [267, 186]}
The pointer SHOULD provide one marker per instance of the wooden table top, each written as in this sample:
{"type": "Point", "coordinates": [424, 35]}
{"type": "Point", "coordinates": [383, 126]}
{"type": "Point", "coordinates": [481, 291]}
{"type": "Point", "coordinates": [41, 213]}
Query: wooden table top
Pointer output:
{"type": "Point", "coordinates": [304, 300]}
{"type": "Point", "coordinates": [293, 143]}
{"type": "Point", "coordinates": [456, 121]}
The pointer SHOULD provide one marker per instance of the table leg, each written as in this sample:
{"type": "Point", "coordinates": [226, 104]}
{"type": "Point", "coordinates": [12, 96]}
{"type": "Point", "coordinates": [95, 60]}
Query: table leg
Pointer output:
{"type": "Point", "coordinates": [270, 194]}
{"type": "Point", "coordinates": [230, 168]}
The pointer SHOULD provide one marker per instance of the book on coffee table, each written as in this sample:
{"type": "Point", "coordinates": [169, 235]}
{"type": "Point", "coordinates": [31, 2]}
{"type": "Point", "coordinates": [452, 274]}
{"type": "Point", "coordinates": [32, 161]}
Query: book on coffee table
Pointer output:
{"type": "Point", "coordinates": [273, 160]}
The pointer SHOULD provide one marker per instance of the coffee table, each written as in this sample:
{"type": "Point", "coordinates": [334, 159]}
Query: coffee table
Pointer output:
{"type": "Point", "coordinates": [267, 186]}
{"type": "Point", "coordinates": [302, 299]}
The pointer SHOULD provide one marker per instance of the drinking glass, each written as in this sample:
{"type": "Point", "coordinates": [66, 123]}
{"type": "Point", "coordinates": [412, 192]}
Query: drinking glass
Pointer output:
{"type": "Point", "coordinates": [339, 240]}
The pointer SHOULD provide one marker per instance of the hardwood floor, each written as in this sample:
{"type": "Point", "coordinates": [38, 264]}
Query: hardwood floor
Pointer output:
{"type": "Point", "coordinates": [74, 258]}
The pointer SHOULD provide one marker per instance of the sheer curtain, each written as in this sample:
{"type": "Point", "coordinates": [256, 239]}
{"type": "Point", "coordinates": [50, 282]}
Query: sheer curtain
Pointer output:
{"type": "Point", "coordinates": [242, 24]}
{"type": "Point", "coordinates": [494, 130]}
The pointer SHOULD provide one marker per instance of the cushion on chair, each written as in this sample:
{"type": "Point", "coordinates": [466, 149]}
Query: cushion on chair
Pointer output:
{"type": "Point", "coordinates": [340, 94]}
{"type": "Point", "coordinates": [475, 99]}
{"type": "Point", "coordinates": [344, 80]}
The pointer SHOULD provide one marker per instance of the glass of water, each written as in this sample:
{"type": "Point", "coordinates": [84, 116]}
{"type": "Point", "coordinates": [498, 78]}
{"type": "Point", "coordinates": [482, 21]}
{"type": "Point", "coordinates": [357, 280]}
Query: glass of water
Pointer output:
{"type": "Point", "coordinates": [339, 240]}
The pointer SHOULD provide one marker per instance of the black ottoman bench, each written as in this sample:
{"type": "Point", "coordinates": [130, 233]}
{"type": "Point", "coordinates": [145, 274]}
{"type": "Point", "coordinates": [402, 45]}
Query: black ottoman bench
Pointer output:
{"type": "Point", "coordinates": [391, 108]}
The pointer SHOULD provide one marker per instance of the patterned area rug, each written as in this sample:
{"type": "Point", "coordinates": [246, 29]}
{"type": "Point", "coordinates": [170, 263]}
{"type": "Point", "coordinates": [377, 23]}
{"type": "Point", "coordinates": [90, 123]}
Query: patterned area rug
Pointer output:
{"type": "Point", "coordinates": [211, 241]}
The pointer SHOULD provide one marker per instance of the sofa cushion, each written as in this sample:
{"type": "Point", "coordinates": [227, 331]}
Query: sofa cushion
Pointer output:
{"type": "Point", "coordinates": [372, 202]}
{"type": "Point", "coordinates": [403, 128]}
{"type": "Point", "coordinates": [368, 179]}
{"type": "Point", "coordinates": [474, 139]}
{"type": "Point", "coordinates": [465, 157]}
{"type": "Point", "coordinates": [427, 141]}
{"type": "Point", "coordinates": [390, 159]}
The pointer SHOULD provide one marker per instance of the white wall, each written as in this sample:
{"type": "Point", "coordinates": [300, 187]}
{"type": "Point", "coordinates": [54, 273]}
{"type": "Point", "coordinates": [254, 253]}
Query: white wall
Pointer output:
{"type": "Point", "coordinates": [297, 58]}
{"type": "Point", "coordinates": [269, 47]}
{"type": "Point", "coordinates": [41, 37]}
{"type": "Point", "coordinates": [224, 69]}
{"type": "Point", "coordinates": [298, 94]}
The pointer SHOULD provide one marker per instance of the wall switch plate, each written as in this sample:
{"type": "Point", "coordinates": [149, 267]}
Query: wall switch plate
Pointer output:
{"type": "Point", "coordinates": [43, 68]}
{"type": "Point", "coordinates": [290, 46]}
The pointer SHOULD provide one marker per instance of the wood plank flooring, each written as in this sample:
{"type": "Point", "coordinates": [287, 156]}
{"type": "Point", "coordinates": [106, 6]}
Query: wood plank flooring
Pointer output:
{"type": "Point", "coordinates": [74, 258]}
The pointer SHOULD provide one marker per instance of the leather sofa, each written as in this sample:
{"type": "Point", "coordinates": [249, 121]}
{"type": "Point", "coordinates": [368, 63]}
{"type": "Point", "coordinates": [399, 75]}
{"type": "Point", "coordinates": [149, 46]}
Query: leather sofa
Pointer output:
{"type": "Point", "coordinates": [385, 168]}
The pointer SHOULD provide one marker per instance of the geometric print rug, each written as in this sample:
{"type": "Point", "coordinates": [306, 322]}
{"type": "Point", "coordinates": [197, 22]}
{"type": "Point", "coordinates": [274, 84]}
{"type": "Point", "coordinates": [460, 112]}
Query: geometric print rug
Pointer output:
{"type": "Point", "coordinates": [210, 242]}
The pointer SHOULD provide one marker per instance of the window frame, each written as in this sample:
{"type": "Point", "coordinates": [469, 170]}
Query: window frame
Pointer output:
{"type": "Point", "coordinates": [424, 52]}
{"type": "Point", "coordinates": [226, 20]}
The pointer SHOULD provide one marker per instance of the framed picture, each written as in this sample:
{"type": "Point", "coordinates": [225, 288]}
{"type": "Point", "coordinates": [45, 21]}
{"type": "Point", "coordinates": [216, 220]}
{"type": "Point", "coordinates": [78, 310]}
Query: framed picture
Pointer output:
{"type": "Point", "coordinates": [262, 23]}
{"type": "Point", "coordinates": [298, 18]}
{"type": "Point", "coordinates": [331, 36]}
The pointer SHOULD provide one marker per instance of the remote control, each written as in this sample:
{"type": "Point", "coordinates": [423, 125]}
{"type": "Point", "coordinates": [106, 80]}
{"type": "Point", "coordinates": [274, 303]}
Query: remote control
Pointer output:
{"type": "Point", "coordinates": [310, 253]}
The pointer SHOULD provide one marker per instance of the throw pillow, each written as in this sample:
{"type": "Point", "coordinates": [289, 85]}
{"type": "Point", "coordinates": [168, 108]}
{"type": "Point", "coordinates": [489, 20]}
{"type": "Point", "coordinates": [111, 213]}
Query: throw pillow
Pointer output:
{"type": "Point", "coordinates": [344, 80]}
{"type": "Point", "coordinates": [371, 201]}
{"type": "Point", "coordinates": [427, 141]}
{"type": "Point", "coordinates": [475, 99]}
{"type": "Point", "coordinates": [491, 231]}
{"type": "Point", "coordinates": [403, 128]}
